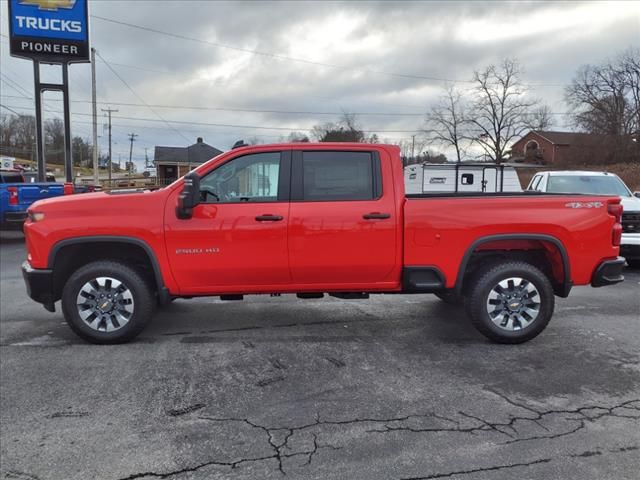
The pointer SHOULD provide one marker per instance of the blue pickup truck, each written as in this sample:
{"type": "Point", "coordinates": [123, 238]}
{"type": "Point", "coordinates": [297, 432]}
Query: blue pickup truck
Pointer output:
{"type": "Point", "coordinates": [16, 195]}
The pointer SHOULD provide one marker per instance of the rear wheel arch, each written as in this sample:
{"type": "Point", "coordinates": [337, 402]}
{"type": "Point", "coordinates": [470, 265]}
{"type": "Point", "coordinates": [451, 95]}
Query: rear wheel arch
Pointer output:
{"type": "Point", "coordinates": [532, 248]}
{"type": "Point", "coordinates": [70, 254]}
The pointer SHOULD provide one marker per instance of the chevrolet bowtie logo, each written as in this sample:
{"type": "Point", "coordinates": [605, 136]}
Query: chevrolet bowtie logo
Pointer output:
{"type": "Point", "coordinates": [52, 5]}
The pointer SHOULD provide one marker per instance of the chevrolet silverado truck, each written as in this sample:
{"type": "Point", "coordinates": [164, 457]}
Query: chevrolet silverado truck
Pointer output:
{"type": "Point", "coordinates": [16, 195]}
{"type": "Point", "coordinates": [315, 219]}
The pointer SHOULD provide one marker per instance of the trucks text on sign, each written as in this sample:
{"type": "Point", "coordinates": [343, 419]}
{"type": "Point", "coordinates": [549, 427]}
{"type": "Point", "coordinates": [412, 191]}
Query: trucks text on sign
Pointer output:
{"type": "Point", "coordinates": [49, 30]}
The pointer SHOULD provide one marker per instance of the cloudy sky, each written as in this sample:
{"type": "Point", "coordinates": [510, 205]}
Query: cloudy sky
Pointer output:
{"type": "Point", "coordinates": [231, 70]}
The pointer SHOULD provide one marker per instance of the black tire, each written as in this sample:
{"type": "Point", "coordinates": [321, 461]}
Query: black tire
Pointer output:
{"type": "Point", "coordinates": [143, 301]}
{"type": "Point", "coordinates": [450, 298]}
{"type": "Point", "coordinates": [482, 286]}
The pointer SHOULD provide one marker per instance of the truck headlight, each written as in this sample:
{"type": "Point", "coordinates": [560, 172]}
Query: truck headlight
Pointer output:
{"type": "Point", "coordinates": [36, 216]}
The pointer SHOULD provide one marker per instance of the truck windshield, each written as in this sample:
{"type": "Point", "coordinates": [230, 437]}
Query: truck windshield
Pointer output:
{"type": "Point", "coordinates": [589, 184]}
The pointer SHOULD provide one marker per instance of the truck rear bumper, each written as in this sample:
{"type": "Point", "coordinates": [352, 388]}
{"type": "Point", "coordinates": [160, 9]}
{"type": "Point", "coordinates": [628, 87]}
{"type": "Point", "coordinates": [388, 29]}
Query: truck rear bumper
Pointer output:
{"type": "Point", "coordinates": [608, 272]}
{"type": "Point", "coordinates": [13, 220]}
{"type": "Point", "coordinates": [39, 285]}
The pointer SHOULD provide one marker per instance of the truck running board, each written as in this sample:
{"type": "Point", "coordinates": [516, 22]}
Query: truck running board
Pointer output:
{"type": "Point", "coordinates": [350, 295]}
{"type": "Point", "coordinates": [231, 297]}
{"type": "Point", "coordinates": [309, 295]}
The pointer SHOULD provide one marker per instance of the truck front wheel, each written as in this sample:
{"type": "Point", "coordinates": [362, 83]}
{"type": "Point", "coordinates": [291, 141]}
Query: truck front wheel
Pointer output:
{"type": "Point", "coordinates": [510, 302]}
{"type": "Point", "coordinates": [107, 302]}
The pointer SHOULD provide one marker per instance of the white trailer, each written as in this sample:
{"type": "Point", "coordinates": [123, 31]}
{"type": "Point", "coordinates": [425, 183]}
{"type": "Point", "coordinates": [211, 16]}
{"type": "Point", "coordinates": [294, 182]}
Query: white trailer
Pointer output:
{"type": "Point", "coordinates": [460, 178]}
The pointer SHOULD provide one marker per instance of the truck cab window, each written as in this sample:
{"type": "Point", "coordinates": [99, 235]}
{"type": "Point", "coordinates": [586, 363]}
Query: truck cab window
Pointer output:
{"type": "Point", "coordinates": [250, 178]}
{"type": "Point", "coordinates": [335, 176]}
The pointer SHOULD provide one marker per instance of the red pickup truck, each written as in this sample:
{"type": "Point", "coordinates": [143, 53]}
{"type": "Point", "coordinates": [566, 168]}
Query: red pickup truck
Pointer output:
{"type": "Point", "coordinates": [311, 219]}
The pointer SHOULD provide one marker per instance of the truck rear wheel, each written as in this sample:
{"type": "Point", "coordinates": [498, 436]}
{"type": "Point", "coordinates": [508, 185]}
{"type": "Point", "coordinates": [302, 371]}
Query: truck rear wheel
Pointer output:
{"type": "Point", "coordinates": [107, 302]}
{"type": "Point", "coordinates": [511, 302]}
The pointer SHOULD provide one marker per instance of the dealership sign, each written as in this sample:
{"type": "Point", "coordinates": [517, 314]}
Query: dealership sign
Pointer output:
{"type": "Point", "coordinates": [49, 30]}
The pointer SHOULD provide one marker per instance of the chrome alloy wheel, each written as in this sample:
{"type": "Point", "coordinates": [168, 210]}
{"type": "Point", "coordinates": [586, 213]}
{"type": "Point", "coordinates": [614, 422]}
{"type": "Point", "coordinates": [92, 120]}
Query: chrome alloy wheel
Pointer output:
{"type": "Point", "coordinates": [513, 304]}
{"type": "Point", "coordinates": [105, 304]}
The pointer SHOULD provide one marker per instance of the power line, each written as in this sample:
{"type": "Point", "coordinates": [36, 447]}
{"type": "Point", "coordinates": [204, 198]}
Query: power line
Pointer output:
{"type": "Point", "coordinates": [249, 110]}
{"type": "Point", "coordinates": [245, 110]}
{"type": "Point", "coordinates": [270, 54]}
{"type": "Point", "coordinates": [288, 58]}
{"type": "Point", "coordinates": [10, 109]}
{"type": "Point", "coordinates": [295, 59]}
{"type": "Point", "coordinates": [140, 98]}
{"type": "Point", "coordinates": [257, 127]}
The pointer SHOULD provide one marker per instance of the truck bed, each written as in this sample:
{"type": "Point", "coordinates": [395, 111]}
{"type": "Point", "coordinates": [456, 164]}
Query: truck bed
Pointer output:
{"type": "Point", "coordinates": [442, 229]}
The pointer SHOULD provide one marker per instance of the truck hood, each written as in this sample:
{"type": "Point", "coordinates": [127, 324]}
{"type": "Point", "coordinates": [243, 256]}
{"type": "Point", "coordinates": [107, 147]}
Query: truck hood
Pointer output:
{"type": "Point", "coordinates": [631, 204]}
{"type": "Point", "coordinates": [89, 200]}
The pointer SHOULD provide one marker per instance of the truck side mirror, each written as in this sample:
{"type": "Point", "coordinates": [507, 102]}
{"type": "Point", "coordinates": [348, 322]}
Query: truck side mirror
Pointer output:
{"type": "Point", "coordinates": [637, 194]}
{"type": "Point", "coordinates": [189, 196]}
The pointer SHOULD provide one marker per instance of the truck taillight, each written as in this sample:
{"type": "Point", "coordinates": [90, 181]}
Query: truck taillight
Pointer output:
{"type": "Point", "coordinates": [13, 195]}
{"type": "Point", "coordinates": [68, 188]}
{"type": "Point", "coordinates": [615, 210]}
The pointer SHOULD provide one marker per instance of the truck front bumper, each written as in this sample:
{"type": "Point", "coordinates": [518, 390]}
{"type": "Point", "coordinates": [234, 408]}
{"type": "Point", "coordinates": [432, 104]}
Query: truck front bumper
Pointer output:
{"type": "Point", "coordinates": [630, 245]}
{"type": "Point", "coordinates": [608, 272]}
{"type": "Point", "coordinates": [39, 285]}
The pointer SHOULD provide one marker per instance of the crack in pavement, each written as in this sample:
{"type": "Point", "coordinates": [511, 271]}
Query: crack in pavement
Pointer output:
{"type": "Point", "coordinates": [276, 446]}
{"type": "Point", "coordinates": [585, 454]}
{"type": "Point", "coordinates": [278, 437]}
{"type": "Point", "coordinates": [277, 455]}
{"type": "Point", "coordinates": [510, 429]}
{"type": "Point", "coordinates": [480, 469]}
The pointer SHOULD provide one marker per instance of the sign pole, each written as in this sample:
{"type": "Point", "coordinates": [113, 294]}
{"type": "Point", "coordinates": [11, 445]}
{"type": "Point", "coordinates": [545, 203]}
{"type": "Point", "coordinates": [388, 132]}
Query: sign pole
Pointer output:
{"type": "Point", "coordinates": [42, 170]}
{"type": "Point", "coordinates": [68, 160]}
{"type": "Point", "coordinates": [54, 32]}
{"type": "Point", "coordinates": [94, 114]}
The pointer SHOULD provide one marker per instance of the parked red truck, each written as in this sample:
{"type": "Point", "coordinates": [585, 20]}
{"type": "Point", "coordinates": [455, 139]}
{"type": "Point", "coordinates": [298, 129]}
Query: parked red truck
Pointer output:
{"type": "Point", "coordinates": [311, 219]}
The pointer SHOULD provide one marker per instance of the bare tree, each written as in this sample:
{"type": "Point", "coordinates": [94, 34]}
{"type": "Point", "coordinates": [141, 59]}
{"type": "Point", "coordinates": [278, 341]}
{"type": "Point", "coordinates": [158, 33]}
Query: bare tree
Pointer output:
{"type": "Point", "coordinates": [605, 98]}
{"type": "Point", "coordinates": [296, 137]}
{"type": "Point", "coordinates": [411, 149]}
{"type": "Point", "coordinates": [498, 113]}
{"type": "Point", "coordinates": [541, 118]}
{"type": "Point", "coordinates": [7, 129]}
{"type": "Point", "coordinates": [346, 129]}
{"type": "Point", "coordinates": [445, 122]}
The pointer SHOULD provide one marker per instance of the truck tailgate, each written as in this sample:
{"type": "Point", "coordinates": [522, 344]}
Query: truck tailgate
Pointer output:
{"type": "Point", "coordinates": [29, 193]}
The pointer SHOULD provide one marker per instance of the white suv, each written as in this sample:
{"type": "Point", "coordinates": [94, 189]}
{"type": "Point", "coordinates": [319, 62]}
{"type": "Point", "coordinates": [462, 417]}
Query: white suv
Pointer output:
{"type": "Point", "coordinates": [599, 183]}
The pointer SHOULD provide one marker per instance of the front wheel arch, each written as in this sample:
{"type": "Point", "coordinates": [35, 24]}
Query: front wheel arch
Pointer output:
{"type": "Point", "coordinates": [70, 254]}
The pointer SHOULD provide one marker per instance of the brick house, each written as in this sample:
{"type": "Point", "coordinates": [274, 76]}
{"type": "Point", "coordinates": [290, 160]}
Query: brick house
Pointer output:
{"type": "Point", "coordinates": [558, 148]}
{"type": "Point", "coordinates": [174, 162]}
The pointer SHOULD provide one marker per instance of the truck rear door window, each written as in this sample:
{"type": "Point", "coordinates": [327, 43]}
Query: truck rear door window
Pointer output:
{"type": "Point", "coordinates": [335, 176]}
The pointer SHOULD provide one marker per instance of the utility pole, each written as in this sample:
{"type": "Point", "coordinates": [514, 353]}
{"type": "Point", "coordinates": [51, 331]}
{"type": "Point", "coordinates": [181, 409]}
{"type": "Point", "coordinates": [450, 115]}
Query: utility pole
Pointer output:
{"type": "Point", "coordinates": [146, 158]}
{"type": "Point", "coordinates": [413, 147]}
{"type": "Point", "coordinates": [109, 111]}
{"type": "Point", "coordinates": [94, 107]}
{"type": "Point", "coordinates": [132, 138]}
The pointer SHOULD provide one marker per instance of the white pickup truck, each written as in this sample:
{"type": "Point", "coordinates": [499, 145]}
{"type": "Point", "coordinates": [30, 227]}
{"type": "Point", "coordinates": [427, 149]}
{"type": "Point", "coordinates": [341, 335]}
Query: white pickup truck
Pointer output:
{"type": "Point", "coordinates": [599, 183]}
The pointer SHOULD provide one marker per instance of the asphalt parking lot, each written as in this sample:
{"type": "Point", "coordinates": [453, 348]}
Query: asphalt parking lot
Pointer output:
{"type": "Point", "coordinates": [396, 387]}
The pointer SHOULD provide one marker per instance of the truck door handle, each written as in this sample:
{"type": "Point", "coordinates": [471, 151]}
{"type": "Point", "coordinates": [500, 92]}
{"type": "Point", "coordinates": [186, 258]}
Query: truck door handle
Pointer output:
{"type": "Point", "coordinates": [376, 216]}
{"type": "Point", "coordinates": [269, 218]}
